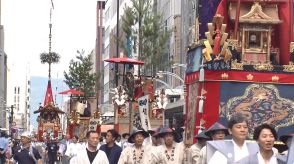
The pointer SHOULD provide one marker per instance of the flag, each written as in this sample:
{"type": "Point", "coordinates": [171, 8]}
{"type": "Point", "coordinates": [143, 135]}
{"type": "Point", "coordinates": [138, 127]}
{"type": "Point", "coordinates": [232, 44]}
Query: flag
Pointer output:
{"type": "Point", "coordinates": [49, 95]}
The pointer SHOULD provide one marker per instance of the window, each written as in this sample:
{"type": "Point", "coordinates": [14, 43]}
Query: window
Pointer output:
{"type": "Point", "coordinates": [107, 14]}
{"type": "Point", "coordinates": [106, 88]}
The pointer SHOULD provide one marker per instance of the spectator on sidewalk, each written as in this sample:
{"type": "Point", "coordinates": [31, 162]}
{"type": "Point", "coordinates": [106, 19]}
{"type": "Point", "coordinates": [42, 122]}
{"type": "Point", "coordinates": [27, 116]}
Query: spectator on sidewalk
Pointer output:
{"type": "Point", "coordinates": [3, 146]}
{"type": "Point", "coordinates": [27, 154]}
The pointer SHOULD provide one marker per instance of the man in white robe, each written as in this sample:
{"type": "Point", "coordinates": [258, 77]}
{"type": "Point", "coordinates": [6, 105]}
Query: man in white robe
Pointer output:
{"type": "Point", "coordinates": [91, 154]}
{"type": "Point", "coordinates": [169, 152]}
{"type": "Point", "coordinates": [137, 153]}
{"type": "Point", "coordinates": [195, 148]}
{"type": "Point", "coordinates": [223, 152]}
{"type": "Point", "coordinates": [216, 132]}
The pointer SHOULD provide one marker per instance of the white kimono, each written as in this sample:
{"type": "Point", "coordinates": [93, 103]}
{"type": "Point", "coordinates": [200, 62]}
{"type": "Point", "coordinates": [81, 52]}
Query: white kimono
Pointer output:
{"type": "Point", "coordinates": [101, 158]}
{"type": "Point", "coordinates": [127, 155]}
{"type": "Point", "coordinates": [72, 151]}
{"type": "Point", "coordinates": [159, 155]}
{"type": "Point", "coordinates": [195, 152]}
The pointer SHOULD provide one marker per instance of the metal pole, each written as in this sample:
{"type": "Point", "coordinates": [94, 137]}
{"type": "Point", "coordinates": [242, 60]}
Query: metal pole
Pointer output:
{"type": "Point", "coordinates": [117, 43]}
{"type": "Point", "coordinates": [131, 118]}
{"type": "Point", "coordinates": [11, 120]}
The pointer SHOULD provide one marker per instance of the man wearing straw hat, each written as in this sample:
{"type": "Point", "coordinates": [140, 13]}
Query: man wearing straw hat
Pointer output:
{"type": "Point", "coordinates": [216, 132]}
{"type": "Point", "coordinates": [169, 152]}
{"type": "Point", "coordinates": [195, 148]}
{"type": "Point", "coordinates": [137, 153]}
{"type": "Point", "coordinates": [27, 154]}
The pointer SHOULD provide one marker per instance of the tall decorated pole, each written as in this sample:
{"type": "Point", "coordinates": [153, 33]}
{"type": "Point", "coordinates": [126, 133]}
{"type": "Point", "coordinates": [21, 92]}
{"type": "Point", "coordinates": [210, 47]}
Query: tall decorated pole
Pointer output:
{"type": "Point", "coordinates": [50, 57]}
{"type": "Point", "coordinates": [49, 126]}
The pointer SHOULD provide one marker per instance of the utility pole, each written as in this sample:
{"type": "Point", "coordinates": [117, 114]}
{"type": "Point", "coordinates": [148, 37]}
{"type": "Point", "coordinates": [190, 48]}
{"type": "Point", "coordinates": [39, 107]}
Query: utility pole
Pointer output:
{"type": "Point", "coordinates": [117, 43]}
{"type": "Point", "coordinates": [11, 118]}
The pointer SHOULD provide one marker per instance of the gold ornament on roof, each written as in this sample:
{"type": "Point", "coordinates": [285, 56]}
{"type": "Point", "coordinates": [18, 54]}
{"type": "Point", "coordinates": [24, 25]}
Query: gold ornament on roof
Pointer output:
{"type": "Point", "coordinates": [289, 68]}
{"type": "Point", "coordinates": [217, 37]}
{"type": "Point", "coordinates": [263, 67]}
{"type": "Point", "coordinates": [236, 66]}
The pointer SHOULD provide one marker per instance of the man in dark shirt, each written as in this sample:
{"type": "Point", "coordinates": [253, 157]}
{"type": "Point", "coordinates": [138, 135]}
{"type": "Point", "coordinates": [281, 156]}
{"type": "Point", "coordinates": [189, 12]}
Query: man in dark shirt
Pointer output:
{"type": "Point", "coordinates": [27, 154]}
{"type": "Point", "coordinates": [52, 151]}
{"type": "Point", "coordinates": [111, 149]}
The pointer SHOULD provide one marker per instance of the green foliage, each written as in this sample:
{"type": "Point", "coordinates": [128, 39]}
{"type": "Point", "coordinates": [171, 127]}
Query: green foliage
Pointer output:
{"type": "Point", "coordinates": [146, 29]}
{"type": "Point", "coordinates": [80, 75]}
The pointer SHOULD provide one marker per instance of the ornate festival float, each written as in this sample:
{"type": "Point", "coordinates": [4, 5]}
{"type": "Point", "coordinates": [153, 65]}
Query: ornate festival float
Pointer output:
{"type": "Point", "coordinates": [242, 63]}
{"type": "Point", "coordinates": [136, 104]}
{"type": "Point", "coordinates": [49, 125]}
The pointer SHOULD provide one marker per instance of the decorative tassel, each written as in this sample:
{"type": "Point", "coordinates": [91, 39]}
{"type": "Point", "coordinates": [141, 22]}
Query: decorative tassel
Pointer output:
{"type": "Point", "coordinates": [201, 74]}
{"type": "Point", "coordinates": [199, 131]}
{"type": "Point", "coordinates": [201, 102]}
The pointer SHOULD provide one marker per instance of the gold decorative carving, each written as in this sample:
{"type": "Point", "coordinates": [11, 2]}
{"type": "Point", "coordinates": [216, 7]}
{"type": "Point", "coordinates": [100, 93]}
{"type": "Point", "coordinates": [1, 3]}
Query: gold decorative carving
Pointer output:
{"type": "Point", "coordinates": [275, 78]}
{"type": "Point", "coordinates": [224, 76]}
{"type": "Point", "coordinates": [233, 43]}
{"type": "Point", "coordinates": [236, 66]}
{"type": "Point", "coordinates": [289, 68]}
{"type": "Point", "coordinates": [263, 67]}
{"type": "Point", "coordinates": [249, 77]}
{"type": "Point", "coordinates": [291, 47]}
{"type": "Point", "coordinates": [255, 13]}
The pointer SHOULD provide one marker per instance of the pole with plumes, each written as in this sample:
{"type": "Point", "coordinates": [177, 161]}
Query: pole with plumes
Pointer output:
{"type": "Point", "coordinates": [50, 57]}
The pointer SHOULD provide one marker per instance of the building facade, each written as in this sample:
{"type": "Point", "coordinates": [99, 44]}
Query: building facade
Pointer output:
{"type": "Point", "coordinates": [110, 49]}
{"type": "Point", "coordinates": [18, 93]}
{"type": "Point", "coordinates": [99, 50]}
{"type": "Point", "coordinates": [3, 77]}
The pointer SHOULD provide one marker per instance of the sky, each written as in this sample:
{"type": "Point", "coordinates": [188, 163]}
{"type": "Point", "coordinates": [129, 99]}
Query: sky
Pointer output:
{"type": "Point", "coordinates": [26, 33]}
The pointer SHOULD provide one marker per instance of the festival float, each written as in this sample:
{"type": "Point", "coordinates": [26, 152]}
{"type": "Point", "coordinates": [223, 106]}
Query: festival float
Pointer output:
{"type": "Point", "coordinates": [49, 126]}
{"type": "Point", "coordinates": [80, 116]}
{"type": "Point", "coordinates": [242, 63]}
{"type": "Point", "coordinates": [136, 105]}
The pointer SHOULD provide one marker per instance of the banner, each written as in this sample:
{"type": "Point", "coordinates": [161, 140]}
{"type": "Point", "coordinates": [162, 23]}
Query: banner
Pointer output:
{"type": "Point", "coordinates": [93, 124]}
{"type": "Point", "coordinates": [260, 103]}
{"type": "Point", "coordinates": [144, 112]}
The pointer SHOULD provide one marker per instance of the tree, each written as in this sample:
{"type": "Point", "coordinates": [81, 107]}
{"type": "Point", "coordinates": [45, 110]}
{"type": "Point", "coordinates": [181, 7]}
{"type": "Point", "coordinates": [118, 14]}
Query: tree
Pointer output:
{"type": "Point", "coordinates": [80, 74]}
{"type": "Point", "coordinates": [49, 58]}
{"type": "Point", "coordinates": [145, 28]}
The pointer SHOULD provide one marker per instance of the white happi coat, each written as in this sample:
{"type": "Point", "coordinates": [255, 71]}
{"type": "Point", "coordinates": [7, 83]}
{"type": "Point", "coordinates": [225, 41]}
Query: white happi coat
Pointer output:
{"type": "Point", "coordinates": [195, 152]}
{"type": "Point", "coordinates": [159, 155]}
{"type": "Point", "coordinates": [127, 155]}
{"type": "Point", "coordinates": [101, 158]}
{"type": "Point", "coordinates": [72, 151]}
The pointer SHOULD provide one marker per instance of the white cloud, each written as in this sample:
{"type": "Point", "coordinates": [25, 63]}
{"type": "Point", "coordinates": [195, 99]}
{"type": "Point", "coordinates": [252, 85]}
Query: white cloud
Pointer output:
{"type": "Point", "coordinates": [26, 25]}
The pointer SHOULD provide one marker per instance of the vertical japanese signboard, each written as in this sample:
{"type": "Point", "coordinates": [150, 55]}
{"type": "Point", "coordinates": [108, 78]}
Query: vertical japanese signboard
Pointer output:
{"type": "Point", "coordinates": [144, 112]}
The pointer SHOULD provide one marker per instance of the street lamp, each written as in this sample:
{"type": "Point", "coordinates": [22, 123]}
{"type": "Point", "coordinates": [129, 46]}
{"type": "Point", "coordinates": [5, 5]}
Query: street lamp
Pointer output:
{"type": "Point", "coordinates": [160, 73]}
{"type": "Point", "coordinates": [179, 65]}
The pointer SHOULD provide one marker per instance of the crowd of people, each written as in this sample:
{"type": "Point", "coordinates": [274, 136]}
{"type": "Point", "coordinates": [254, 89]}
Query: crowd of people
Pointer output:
{"type": "Point", "coordinates": [216, 145]}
